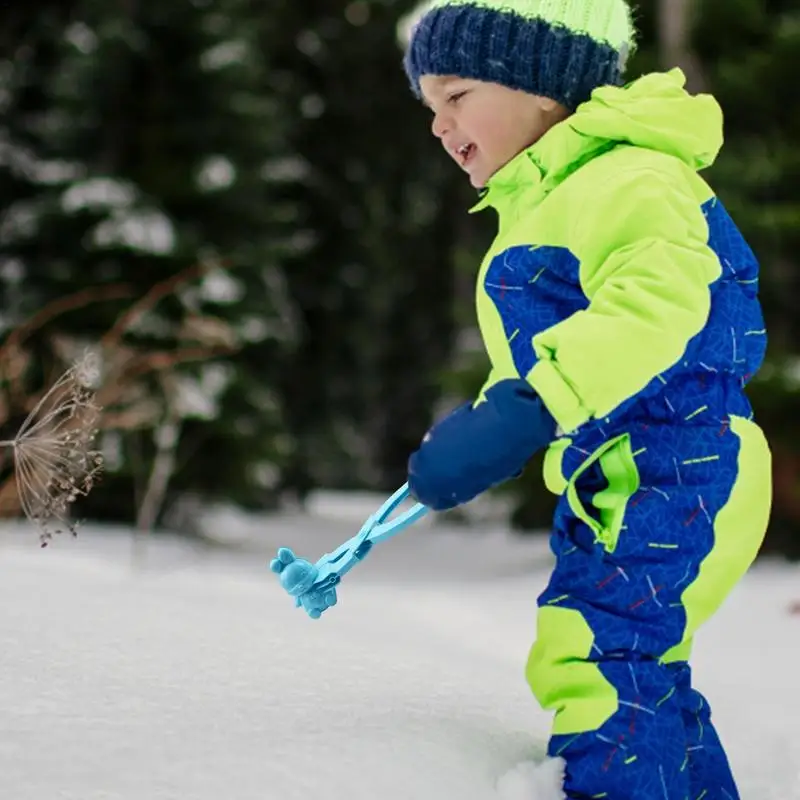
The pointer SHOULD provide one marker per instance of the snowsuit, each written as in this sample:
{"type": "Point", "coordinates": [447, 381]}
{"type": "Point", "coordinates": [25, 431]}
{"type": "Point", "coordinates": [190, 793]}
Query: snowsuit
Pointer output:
{"type": "Point", "coordinates": [619, 286]}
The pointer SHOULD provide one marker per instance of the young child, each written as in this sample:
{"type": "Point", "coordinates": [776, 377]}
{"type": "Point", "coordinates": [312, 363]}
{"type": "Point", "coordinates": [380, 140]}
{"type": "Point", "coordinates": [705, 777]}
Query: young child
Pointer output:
{"type": "Point", "coordinates": [618, 305]}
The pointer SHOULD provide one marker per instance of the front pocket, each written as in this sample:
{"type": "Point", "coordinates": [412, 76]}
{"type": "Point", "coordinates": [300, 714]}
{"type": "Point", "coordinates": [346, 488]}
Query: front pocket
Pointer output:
{"type": "Point", "coordinates": [616, 462]}
{"type": "Point", "coordinates": [553, 466]}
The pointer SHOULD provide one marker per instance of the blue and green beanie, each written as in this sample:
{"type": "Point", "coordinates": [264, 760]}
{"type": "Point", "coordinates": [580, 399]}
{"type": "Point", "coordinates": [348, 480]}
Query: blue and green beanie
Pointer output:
{"type": "Point", "coordinates": [561, 49]}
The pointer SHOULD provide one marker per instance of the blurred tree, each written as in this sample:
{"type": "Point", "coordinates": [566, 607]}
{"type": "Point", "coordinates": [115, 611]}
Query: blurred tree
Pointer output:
{"type": "Point", "coordinates": [132, 146]}
{"type": "Point", "coordinates": [285, 147]}
{"type": "Point", "coordinates": [750, 54]}
{"type": "Point", "coordinates": [282, 150]}
{"type": "Point", "coordinates": [674, 23]}
{"type": "Point", "coordinates": [372, 208]}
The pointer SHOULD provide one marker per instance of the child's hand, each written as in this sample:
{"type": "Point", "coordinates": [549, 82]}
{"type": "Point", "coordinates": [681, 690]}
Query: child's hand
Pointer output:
{"type": "Point", "coordinates": [473, 449]}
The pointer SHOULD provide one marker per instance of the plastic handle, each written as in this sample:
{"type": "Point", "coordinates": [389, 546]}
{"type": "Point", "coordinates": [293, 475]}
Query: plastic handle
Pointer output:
{"type": "Point", "coordinates": [312, 585]}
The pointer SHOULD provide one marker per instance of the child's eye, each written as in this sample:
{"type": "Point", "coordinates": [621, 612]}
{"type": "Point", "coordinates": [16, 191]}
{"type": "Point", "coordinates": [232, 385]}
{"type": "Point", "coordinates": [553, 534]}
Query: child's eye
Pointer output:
{"type": "Point", "coordinates": [455, 97]}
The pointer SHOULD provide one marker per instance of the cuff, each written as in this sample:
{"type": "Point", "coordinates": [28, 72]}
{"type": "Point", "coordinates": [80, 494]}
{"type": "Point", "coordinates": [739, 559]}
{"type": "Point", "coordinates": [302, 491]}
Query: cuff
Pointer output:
{"type": "Point", "coordinates": [558, 396]}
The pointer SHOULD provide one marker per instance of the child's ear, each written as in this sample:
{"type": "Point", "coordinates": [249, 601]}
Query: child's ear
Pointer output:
{"type": "Point", "coordinates": [552, 109]}
{"type": "Point", "coordinates": [548, 105]}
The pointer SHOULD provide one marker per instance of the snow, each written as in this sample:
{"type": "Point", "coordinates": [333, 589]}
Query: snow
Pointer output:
{"type": "Point", "coordinates": [146, 230]}
{"type": "Point", "coordinates": [216, 172]}
{"type": "Point", "coordinates": [199, 397]}
{"type": "Point", "coordinates": [219, 286]}
{"type": "Point", "coordinates": [23, 162]}
{"type": "Point", "coordinates": [98, 193]}
{"type": "Point", "coordinates": [20, 221]}
{"type": "Point", "coordinates": [82, 37]}
{"type": "Point", "coordinates": [287, 170]}
{"type": "Point", "coordinates": [12, 271]}
{"type": "Point", "coordinates": [142, 230]}
{"type": "Point", "coordinates": [223, 54]}
{"type": "Point", "coordinates": [166, 669]}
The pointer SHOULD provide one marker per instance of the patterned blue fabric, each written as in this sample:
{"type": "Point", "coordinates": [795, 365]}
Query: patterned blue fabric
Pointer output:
{"type": "Point", "coordinates": [705, 757]}
{"type": "Point", "coordinates": [631, 599]}
{"type": "Point", "coordinates": [535, 287]}
{"type": "Point", "coordinates": [660, 744]}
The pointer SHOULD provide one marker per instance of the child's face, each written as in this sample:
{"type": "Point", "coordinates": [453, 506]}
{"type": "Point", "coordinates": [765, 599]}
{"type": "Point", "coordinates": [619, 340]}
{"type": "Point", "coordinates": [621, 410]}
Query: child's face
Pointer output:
{"type": "Point", "coordinates": [484, 125]}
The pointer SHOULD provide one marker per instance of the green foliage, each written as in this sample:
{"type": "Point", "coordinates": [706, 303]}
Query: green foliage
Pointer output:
{"type": "Point", "coordinates": [282, 144]}
{"type": "Point", "coordinates": [134, 142]}
{"type": "Point", "coordinates": [374, 282]}
{"type": "Point", "coordinates": [750, 52]}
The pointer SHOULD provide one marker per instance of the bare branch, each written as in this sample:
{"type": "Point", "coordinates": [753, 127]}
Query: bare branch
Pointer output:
{"type": "Point", "coordinates": [159, 361]}
{"type": "Point", "coordinates": [71, 302]}
{"type": "Point", "coordinates": [156, 293]}
{"type": "Point", "coordinates": [207, 331]}
{"type": "Point", "coordinates": [142, 415]}
{"type": "Point", "coordinates": [53, 453]}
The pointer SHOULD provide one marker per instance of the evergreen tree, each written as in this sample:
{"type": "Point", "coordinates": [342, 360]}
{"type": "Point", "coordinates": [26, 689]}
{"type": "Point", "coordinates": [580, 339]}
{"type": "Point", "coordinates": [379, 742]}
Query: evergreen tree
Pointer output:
{"type": "Point", "coordinates": [373, 208]}
{"type": "Point", "coordinates": [750, 54]}
{"type": "Point", "coordinates": [137, 139]}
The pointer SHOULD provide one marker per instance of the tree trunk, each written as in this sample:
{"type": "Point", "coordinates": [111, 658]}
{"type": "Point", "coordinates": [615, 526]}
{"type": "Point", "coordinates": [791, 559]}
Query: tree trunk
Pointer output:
{"type": "Point", "coordinates": [675, 19]}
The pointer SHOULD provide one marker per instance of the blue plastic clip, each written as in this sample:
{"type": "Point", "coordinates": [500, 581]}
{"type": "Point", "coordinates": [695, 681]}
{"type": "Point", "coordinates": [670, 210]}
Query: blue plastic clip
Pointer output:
{"type": "Point", "coordinates": [314, 585]}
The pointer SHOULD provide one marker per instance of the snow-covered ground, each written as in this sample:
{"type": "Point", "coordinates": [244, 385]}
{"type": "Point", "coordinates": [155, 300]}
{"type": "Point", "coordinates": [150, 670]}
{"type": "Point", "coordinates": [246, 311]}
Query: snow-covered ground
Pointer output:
{"type": "Point", "coordinates": [187, 672]}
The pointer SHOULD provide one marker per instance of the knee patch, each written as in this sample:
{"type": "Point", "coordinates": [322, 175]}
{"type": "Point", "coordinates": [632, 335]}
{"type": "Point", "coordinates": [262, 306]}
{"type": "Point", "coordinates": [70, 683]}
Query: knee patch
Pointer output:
{"type": "Point", "coordinates": [562, 677]}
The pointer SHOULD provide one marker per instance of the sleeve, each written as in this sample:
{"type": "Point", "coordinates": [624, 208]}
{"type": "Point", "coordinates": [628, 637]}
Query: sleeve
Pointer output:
{"type": "Point", "coordinates": [646, 268]}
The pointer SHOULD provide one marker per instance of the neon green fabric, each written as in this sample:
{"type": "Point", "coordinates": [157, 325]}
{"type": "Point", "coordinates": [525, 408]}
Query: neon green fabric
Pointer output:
{"type": "Point", "coordinates": [607, 22]}
{"type": "Point", "coordinates": [632, 217]}
{"type": "Point", "coordinates": [622, 477]}
{"type": "Point", "coordinates": [739, 530]}
{"type": "Point", "coordinates": [560, 669]}
{"type": "Point", "coordinates": [621, 288]}
{"type": "Point", "coordinates": [562, 676]}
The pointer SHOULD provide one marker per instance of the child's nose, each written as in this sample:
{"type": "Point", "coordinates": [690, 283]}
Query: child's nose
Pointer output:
{"type": "Point", "coordinates": [441, 125]}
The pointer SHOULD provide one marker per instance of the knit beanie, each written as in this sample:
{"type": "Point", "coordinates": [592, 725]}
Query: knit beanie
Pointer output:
{"type": "Point", "coordinates": [561, 49]}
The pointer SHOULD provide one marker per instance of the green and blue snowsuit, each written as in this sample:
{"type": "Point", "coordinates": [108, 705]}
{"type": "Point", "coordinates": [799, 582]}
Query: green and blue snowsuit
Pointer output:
{"type": "Point", "coordinates": [619, 286]}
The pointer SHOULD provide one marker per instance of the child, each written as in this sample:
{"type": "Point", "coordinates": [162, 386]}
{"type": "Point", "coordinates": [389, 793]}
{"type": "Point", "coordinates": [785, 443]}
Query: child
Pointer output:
{"type": "Point", "coordinates": [618, 305]}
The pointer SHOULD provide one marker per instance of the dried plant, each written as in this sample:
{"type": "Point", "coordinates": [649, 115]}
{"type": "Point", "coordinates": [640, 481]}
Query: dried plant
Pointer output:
{"type": "Point", "coordinates": [54, 459]}
{"type": "Point", "coordinates": [123, 400]}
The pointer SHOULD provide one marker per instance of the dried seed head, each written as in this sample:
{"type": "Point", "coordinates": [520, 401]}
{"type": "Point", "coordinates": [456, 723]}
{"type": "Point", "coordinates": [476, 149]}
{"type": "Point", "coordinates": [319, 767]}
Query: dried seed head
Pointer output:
{"type": "Point", "coordinates": [54, 459]}
{"type": "Point", "coordinates": [87, 371]}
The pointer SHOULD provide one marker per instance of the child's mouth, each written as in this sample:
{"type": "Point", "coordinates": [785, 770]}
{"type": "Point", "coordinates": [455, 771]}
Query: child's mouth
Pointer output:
{"type": "Point", "coordinates": [465, 154]}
